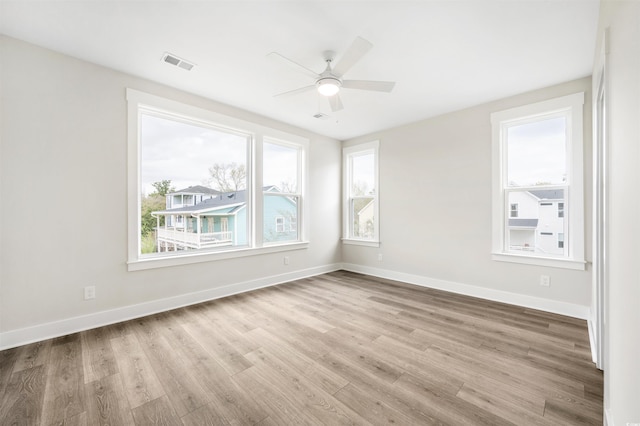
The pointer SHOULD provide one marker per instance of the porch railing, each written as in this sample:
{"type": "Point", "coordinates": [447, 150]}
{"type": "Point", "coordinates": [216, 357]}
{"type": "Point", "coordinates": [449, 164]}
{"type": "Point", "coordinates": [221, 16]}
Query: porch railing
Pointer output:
{"type": "Point", "coordinates": [194, 240]}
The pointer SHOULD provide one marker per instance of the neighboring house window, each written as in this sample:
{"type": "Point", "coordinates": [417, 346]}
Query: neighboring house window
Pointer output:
{"type": "Point", "coordinates": [360, 176]}
{"type": "Point", "coordinates": [537, 161]}
{"type": "Point", "coordinates": [194, 183]}
{"type": "Point", "coordinates": [282, 165]}
{"type": "Point", "coordinates": [514, 210]}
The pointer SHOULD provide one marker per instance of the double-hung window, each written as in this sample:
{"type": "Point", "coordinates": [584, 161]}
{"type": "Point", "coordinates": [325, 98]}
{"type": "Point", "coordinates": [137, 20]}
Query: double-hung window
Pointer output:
{"type": "Point", "coordinates": [206, 186]}
{"type": "Point", "coordinates": [282, 180]}
{"type": "Point", "coordinates": [360, 204]}
{"type": "Point", "coordinates": [538, 208]}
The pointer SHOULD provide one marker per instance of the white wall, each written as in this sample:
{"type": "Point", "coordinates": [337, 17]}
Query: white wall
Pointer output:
{"type": "Point", "coordinates": [435, 210]}
{"type": "Point", "coordinates": [63, 191]}
{"type": "Point", "coordinates": [622, 322]}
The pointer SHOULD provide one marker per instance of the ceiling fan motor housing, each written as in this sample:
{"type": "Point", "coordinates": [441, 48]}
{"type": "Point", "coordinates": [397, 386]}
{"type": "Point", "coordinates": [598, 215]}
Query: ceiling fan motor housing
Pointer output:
{"type": "Point", "coordinates": [328, 86]}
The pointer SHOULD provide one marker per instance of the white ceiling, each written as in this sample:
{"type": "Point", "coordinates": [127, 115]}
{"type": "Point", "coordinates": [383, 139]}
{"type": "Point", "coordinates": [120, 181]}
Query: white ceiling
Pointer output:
{"type": "Point", "coordinates": [443, 55]}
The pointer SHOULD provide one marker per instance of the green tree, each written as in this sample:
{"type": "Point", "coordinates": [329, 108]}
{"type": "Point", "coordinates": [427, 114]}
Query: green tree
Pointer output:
{"type": "Point", "coordinates": [162, 188]}
{"type": "Point", "coordinates": [153, 202]}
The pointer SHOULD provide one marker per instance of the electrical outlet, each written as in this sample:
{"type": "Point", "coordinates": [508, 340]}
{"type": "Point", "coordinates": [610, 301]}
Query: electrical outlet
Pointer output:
{"type": "Point", "coordinates": [89, 292]}
{"type": "Point", "coordinates": [379, 257]}
{"type": "Point", "coordinates": [545, 280]}
{"type": "Point", "coordinates": [286, 260]}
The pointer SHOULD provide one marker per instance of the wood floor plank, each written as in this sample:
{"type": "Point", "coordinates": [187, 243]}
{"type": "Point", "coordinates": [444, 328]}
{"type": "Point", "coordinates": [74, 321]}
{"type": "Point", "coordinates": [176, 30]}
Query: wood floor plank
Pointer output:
{"type": "Point", "coordinates": [184, 392]}
{"type": "Point", "coordinates": [8, 360]}
{"type": "Point", "coordinates": [157, 412]}
{"type": "Point", "coordinates": [226, 354]}
{"type": "Point", "coordinates": [140, 381]}
{"type": "Point", "coordinates": [321, 405]}
{"type": "Point", "coordinates": [207, 415]}
{"type": "Point", "coordinates": [64, 395]}
{"type": "Point", "coordinates": [32, 355]}
{"type": "Point", "coordinates": [107, 402]}
{"type": "Point", "coordinates": [227, 398]}
{"type": "Point", "coordinates": [339, 348]}
{"type": "Point", "coordinates": [22, 401]}
{"type": "Point", "coordinates": [98, 360]}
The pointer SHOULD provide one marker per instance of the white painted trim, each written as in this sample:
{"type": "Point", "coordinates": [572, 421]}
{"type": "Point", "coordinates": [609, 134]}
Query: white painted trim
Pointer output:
{"type": "Point", "coordinates": [160, 261]}
{"type": "Point", "coordinates": [366, 243]}
{"type": "Point", "coordinates": [608, 418]}
{"type": "Point", "coordinates": [23, 336]}
{"type": "Point", "coordinates": [592, 339]}
{"type": "Point", "coordinates": [553, 306]}
{"type": "Point", "coordinates": [578, 265]}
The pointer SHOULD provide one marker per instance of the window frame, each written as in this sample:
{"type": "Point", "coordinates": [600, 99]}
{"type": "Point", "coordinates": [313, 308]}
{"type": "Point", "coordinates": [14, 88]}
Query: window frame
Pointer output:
{"type": "Point", "coordinates": [347, 153]}
{"type": "Point", "coordinates": [513, 208]}
{"type": "Point", "coordinates": [300, 182]}
{"type": "Point", "coordinates": [571, 107]}
{"type": "Point", "coordinates": [137, 103]}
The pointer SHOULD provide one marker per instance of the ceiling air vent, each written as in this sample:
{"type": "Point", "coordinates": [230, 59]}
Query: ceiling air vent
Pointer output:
{"type": "Point", "coordinates": [172, 59]}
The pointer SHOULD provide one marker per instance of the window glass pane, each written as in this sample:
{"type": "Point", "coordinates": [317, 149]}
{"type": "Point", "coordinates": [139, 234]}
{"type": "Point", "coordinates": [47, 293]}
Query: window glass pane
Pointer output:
{"type": "Point", "coordinates": [193, 186]}
{"type": "Point", "coordinates": [362, 174]}
{"type": "Point", "coordinates": [537, 226]}
{"type": "Point", "coordinates": [280, 218]}
{"type": "Point", "coordinates": [536, 153]}
{"type": "Point", "coordinates": [362, 217]}
{"type": "Point", "coordinates": [280, 167]}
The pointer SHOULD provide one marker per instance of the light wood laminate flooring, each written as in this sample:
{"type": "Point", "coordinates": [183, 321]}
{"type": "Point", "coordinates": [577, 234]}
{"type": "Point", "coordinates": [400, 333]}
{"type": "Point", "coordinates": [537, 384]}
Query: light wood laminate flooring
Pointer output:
{"type": "Point", "coordinates": [339, 348]}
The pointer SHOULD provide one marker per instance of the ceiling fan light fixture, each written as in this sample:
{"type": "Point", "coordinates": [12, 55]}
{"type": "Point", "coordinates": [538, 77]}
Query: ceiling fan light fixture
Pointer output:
{"type": "Point", "coordinates": [328, 86]}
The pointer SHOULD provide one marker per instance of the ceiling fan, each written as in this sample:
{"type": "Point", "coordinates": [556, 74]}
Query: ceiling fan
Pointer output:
{"type": "Point", "coordinates": [329, 82]}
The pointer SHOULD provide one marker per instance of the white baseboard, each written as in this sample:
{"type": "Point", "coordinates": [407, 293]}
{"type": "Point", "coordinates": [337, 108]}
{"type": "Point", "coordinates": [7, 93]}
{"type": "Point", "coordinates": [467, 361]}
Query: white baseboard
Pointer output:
{"type": "Point", "coordinates": [23, 336]}
{"type": "Point", "coordinates": [553, 306]}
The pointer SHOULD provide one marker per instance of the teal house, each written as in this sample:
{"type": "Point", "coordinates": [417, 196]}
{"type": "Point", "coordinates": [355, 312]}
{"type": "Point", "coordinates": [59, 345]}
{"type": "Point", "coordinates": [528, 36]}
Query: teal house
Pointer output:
{"type": "Point", "coordinates": [198, 217]}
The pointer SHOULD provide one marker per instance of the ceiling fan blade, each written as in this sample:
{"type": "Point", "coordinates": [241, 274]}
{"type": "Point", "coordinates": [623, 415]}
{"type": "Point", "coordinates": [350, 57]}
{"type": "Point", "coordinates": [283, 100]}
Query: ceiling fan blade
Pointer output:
{"type": "Point", "coordinates": [357, 50]}
{"type": "Point", "coordinates": [296, 91]}
{"type": "Point", "coordinates": [335, 102]}
{"type": "Point", "coordinates": [378, 86]}
{"type": "Point", "coordinates": [297, 66]}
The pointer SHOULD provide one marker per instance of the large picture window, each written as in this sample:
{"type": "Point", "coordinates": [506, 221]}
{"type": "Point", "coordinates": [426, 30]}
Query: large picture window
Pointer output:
{"type": "Point", "coordinates": [198, 180]}
{"type": "Point", "coordinates": [360, 175]}
{"type": "Point", "coordinates": [537, 179]}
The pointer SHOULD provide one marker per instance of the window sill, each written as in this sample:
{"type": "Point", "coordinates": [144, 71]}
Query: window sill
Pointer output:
{"type": "Point", "coordinates": [187, 259]}
{"type": "Point", "coordinates": [366, 243]}
{"type": "Point", "coordinates": [553, 262]}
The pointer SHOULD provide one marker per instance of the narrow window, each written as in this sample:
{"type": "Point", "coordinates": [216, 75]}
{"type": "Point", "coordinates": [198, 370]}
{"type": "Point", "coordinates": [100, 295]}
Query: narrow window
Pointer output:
{"type": "Point", "coordinates": [281, 192]}
{"type": "Point", "coordinates": [360, 171]}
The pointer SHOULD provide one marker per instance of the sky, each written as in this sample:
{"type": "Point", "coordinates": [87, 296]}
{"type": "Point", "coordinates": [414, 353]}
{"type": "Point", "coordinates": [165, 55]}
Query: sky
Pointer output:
{"type": "Point", "coordinates": [536, 152]}
{"type": "Point", "coordinates": [183, 153]}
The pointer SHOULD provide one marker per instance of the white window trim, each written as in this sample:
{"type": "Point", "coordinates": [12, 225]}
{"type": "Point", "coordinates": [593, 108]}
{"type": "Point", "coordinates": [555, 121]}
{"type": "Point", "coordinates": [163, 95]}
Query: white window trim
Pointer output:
{"type": "Point", "coordinates": [346, 178]}
{"type": "Point", "coordinates": [136, 100]}
{"type": "Point", "coordinates": [574, 235]}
